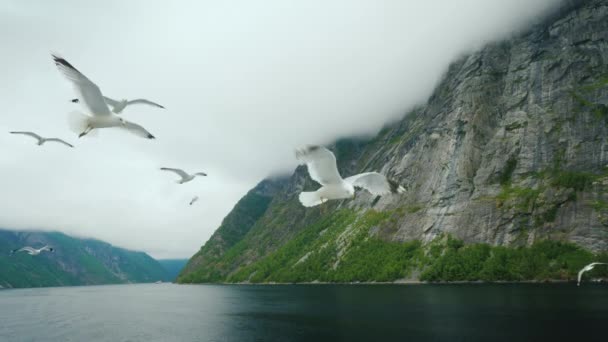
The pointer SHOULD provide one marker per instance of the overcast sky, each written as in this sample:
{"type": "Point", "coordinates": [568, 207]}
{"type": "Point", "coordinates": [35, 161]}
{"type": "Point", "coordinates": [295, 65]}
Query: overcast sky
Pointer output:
{"type": "Point", "coordinates": [244, 83]}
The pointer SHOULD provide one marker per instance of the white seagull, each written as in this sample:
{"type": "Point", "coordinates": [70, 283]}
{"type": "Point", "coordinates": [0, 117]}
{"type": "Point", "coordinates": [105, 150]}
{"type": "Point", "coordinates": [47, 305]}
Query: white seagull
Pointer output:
{"type": "Point", "coordinates": [33, 251]}
{"type": "Point", "coordinates": [185, 176]}
{"type": "Point", "coordinates": [322, 168]}
{"type": "Point", "coordinates": [42, 140]}
{"type": "Point", "coordinates": [194, 199]}
{"type": "Point", "coordinates": [93, 100]}
{"type": "Point", "coordinates": [587, 268]}
{"type": "Point", "coordinates": [119, 106]}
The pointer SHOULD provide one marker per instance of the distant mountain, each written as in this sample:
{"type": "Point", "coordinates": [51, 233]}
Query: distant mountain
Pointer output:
{"type": "Point", "coordinates": [506, 170]}
{"type": "Point", "coordinates": [172, 267]}
{"type": "Point", "coordinates": [74, 262]}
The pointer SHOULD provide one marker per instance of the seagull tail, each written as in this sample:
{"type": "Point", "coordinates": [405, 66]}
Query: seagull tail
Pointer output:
{"type": "Point", "coordinates": [310, 199]}
{"type": "Point", "coordinates": [78, 121]}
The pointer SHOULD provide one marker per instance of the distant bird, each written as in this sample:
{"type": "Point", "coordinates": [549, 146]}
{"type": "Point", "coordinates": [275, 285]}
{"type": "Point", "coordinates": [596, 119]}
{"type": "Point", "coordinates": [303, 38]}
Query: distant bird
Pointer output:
{"type": "Point", "coordinates": [194, 199]}
{"type": "Point", "coordinates": [185, 176]}
{"type": "Point", "coordinates": [32, 251]}
{"type": "Point", "coordinates": [119, 106]}
{"type": "Point", "coordinates": [322, 168]}
{"type": "Point", "coordinates": [42, 140]}
{"type": "Point", "coordinates": [93, 100]}
{"type": "Point", "coordinates": [587, 268]}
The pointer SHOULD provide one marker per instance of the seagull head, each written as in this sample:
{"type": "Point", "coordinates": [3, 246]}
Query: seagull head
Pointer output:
{"type": "Point", "coordinates": [351, 191]}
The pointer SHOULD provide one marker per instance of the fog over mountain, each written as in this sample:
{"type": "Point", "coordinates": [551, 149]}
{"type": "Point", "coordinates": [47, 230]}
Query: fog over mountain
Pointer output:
{"type": "Point", "coordinates": [244, 83]}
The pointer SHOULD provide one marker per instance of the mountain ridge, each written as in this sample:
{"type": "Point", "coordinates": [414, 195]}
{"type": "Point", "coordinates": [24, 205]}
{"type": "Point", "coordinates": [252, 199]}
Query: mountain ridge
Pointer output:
{"type": "Point", "coordinates": [74, 261]}
{"type": "Point", "coordinates": [509, 151]}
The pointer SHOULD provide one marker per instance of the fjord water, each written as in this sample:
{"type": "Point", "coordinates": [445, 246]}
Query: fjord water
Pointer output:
{"type": "Point", "coordinates": [166, 312]}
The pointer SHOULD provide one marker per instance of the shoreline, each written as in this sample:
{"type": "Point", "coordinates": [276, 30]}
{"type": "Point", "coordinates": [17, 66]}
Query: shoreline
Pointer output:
{"type": "Point", "coordinates": [411, 282]}
{"type": "Point", "coordinates": [396, 283]}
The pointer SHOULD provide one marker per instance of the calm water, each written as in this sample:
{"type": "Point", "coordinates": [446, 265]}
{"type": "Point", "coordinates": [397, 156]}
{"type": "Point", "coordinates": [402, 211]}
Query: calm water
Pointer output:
{"type": "Point", "coordinates": [305, 313]}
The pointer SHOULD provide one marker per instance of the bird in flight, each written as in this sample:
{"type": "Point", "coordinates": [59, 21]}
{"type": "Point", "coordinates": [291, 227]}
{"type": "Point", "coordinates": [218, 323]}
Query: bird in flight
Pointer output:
{"type": "Point", "coordinates": [33, 251]}
{"type": "Point", "coordinates": [185, 177]}
{"type": "Point", "coordinates": [323, 169]}
{"type": "Point", "coordinates": [42, 140]}
{"type": "Point", "coordinates": [587, 268]}
{"type": "Point", "coordinates": [92, 99]}
{"type": "Point", "coordinates": [119, 106]}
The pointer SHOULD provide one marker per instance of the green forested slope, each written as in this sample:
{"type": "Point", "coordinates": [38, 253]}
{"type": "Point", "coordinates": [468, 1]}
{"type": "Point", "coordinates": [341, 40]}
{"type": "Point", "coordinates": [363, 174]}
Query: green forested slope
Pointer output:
{"type": "Point", "coordinates": [74, 262]}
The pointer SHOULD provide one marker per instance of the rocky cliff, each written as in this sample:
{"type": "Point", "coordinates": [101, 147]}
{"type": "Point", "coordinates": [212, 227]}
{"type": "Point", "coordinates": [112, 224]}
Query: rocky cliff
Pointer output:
{"type": "Point", "coordinates": [510, 150]}
{"type": "Point", "coordinates": [74, 262]}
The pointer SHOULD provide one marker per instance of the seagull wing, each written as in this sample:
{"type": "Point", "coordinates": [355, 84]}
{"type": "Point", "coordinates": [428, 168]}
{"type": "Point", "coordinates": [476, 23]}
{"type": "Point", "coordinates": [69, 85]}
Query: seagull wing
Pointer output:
{"type": "Point", "coordinates": [31, 134]}
{"type": "Point", "coordinates": [138, 130]}
{"type": "Point", "coordinates": [144, 101]}
{"type": "Point", "coordinates": [321, 164]}
{"type": "Point", "coordinates": [194, 200]}
{"type": "Point", "coordinates": [88, 91]}
{"type": "Point", "coordinates": [180, 172]}
{"type": "Point", "coordinates": [27, 249]}
{"type": "Point", "coordinates": [580, 275]}
{"type": "Point", "coordinates": [375, 183]}
{"type": "Point", "coordinates": [60, 141]}
{"type": "Point", "coordinates": [200, 174]}
{"type": "Point", "coordinates": [111, 102]}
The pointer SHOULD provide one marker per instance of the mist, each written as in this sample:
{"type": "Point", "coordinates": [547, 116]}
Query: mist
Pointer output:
{"type": "Point", "coordinates": [243, 83]}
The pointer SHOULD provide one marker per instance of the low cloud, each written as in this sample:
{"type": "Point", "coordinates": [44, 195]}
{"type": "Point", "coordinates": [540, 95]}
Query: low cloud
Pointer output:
{"type": "Point", "coordinates": [244, 83]}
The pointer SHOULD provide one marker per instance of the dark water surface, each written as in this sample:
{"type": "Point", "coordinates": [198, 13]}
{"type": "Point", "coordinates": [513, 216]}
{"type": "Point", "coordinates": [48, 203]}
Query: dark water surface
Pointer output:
{"type": "Point", "coordinates": [472, 312]}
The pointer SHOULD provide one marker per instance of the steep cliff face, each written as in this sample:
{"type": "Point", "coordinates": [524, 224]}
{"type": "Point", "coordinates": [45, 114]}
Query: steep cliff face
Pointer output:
{"type": "Point", "coordinates": [74, 262]}
{"type": "Point", "coordinates": [511, 149]}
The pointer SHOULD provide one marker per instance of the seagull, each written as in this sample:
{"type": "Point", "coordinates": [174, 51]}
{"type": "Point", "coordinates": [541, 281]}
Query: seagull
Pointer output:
{"type": "Point", "coordinates": [101, 116]}
{"type": "Point", "coordinates": [587, 268]}
{"type": "Point", "coordinates": [185, 176]}
{"type": "Point", "coordinates": [33, 251]}
{"type": "Point", "coordinates": [42, 140]}
{"type": "Point", "coordinates": [119, 106]}
{"type": "Point", "coordinates": [322, 168]}
{"type": "Point", "coordinates": [194, 199]}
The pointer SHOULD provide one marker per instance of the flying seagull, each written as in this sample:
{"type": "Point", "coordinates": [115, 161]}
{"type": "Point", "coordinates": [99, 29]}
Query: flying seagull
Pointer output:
{"type": "Point", "coordinates": [194, 199]}
{"type": "Point", "coordinates": [33, 251]}
{"type": "Point", "coordinates": [42, 140]}
{"type": "Point", "coordinates": [119, 106]}
{"type": "Point", "coordinates": [322, 168]}
{"type": "Point", "coordinates": [91, 97]}
{"type": "Point", "coordinates": [587, 268]}
{"type": "Point", "coordinates": [185, 176]}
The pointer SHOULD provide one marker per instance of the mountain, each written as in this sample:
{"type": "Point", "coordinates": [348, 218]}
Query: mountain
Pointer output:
{"type": "Point", "coordinates": [74, 262]}
{"type": "Point", "coordinates": [506, 170]}
{"type": "Point", "coordinates": [172, 267]}
{"type": "Point", "coordinates": [233, 229]}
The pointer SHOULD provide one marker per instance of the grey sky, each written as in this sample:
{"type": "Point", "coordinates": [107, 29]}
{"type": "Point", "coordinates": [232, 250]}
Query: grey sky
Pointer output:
{"type": "Point", "coordinates": [244, 83]}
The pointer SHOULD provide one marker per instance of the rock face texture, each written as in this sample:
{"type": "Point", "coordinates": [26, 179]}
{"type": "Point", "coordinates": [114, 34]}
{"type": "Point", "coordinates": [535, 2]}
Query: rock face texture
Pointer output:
{"type": "Point", "coordinates": [511, 148]}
